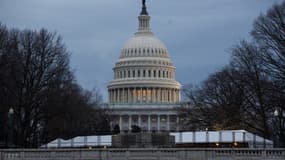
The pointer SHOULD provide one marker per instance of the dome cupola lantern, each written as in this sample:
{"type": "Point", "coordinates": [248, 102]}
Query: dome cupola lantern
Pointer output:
{"type": "Point", "coordinates": [144, 19]}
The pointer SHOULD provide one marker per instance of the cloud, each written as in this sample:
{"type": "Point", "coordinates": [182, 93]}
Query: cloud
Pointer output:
{"type": "Point", "coordinates": [197, 33]}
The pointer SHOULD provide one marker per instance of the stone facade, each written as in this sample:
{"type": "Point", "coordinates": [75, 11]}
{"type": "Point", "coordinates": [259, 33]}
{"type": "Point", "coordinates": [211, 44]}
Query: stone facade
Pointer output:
{"type": "Point", "coordinates": [143, 140]}
{"type": "Point", "coordinates": [144, 91]}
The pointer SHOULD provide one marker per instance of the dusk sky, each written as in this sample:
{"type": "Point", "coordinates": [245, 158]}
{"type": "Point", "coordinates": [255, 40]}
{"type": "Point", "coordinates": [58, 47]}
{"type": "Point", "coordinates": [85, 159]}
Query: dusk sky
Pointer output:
{"type": "Point", "coordinates": [198, 33]}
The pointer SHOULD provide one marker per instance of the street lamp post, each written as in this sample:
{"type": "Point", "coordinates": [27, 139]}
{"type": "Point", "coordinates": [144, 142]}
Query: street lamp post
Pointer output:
{"type": "Point", "coordinates": [275, 114]}
{"type": "Point", "coordinates": [10, 119]}
{"type": "Point", "coordinates": [279, 132]}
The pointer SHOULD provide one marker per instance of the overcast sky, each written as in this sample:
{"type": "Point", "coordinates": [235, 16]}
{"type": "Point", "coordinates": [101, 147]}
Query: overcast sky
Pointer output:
{"type": "Point", "coordinates": [198, 33]}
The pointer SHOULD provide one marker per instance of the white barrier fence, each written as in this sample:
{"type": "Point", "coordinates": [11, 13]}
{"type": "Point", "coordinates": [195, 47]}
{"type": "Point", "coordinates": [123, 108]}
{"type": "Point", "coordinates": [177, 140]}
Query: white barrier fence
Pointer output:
{"type": "Point", "coordinates": [143, 154]}
{"type": "Point", "coordinates": [231, 136]}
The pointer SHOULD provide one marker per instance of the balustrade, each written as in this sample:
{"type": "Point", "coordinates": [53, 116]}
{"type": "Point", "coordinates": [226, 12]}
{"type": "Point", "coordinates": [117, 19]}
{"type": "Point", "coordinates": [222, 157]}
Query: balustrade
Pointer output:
{"type": "Point", "coordinates": [144, 153]}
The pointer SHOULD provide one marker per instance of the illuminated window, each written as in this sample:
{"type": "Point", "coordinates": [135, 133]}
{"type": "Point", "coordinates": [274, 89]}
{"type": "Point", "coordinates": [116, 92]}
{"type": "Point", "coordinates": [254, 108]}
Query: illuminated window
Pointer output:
{"type": "Point", "coordinates": [133, 92]}
{"type": "Point", "coordinates": [139, 93]}
{"type": "Point", "coordinates": [149, 93]}
{"type": "Point", "coordinates": [144, 93]}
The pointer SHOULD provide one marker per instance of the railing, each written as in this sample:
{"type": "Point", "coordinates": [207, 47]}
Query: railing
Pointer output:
{"type": "Point", "coordinates": [143, 153]}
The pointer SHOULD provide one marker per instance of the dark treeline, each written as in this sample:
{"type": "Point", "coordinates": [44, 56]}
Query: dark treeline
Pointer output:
{"type": "Point", "coordinates": [37, 83]}
{"type": "Point", "coordinates": [245, 93]}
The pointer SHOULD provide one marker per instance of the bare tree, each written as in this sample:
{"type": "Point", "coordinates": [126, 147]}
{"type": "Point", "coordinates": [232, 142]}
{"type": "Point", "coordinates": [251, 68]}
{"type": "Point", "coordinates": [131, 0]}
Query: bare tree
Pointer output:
{"type": "Point", "coordinates": [269, 33]}
{"type": "Point", "coordinates": [217, 103]}
{"type": "Point", "coordinates": [37, 83]}
{"type": "Point", "coordinates": [248, 62]}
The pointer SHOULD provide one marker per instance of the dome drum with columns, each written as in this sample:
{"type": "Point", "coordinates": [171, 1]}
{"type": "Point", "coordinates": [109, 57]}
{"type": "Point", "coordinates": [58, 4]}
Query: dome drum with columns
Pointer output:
{"type": "Point", "coordinates": [144, 91]}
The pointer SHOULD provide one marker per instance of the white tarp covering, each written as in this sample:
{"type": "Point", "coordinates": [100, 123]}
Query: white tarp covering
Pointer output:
{"type": "Point", "coordinates": [180, 137]}
{"type": "Point", "coordinates": [227, 136]}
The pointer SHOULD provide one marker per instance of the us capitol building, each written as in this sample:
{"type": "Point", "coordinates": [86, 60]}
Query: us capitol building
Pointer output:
{"type": "Point", "coordinates": [144, 91]}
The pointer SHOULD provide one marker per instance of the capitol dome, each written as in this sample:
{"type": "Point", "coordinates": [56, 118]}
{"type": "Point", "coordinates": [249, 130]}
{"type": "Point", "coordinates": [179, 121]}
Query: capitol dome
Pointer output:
{"type": "Point", "coordinates": [144, 72]}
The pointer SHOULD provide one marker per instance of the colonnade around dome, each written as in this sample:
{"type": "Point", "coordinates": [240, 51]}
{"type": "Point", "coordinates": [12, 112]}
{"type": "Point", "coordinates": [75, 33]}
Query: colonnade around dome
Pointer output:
{"type": "Point", "coordinates": [144, 95]}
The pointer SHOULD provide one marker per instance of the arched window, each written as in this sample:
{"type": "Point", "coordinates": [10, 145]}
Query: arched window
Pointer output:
{"type": "Point", "coordinates": [134, 73]}
{"type": "Point", "coordinates": [139, 73]}
{"type": "Point", "coordinates": [149, 73]}
{"type": "Point", "coordinates": [159, 74]}
{"type": "Point", "coordinates": [163, 74]}
{"type": "Point", "coordinates": [154, 73]}
{"type": "Point", "coordinates": [129, 73]}
{"type": "Point", "coordinates": [143, 73]}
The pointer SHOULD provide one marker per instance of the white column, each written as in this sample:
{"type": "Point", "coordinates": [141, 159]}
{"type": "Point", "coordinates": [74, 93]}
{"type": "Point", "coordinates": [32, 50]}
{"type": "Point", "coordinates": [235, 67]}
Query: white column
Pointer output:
{"type": "Point", "coordinates": [174, 99]}
{"type": "Point", "coordinates": [159, 95]}
{"type": "Point", "coordinates": [120, 122]}
{"type": "Point", "coordinates": [152, 95]}
{"type": "Point", "coordinates": [135, 95]}
{"type": "Point", "coordinates": [109, 96]}
{"type": "Point", "coordinates": [123, 98]}
{"type": "Point", "coordinates": [118, 98]}
{"type": "Point", "coordinates": [130, 122]}
{"type": "Point", "coordinates": [168, 123]}
{"type": "Point", "coordinates": [179, 96]}
{"type": "Point", "coordinates": [166, 95]}
{"type": "Point", "coordinates": [129, 96]}
{"type": "Point", "coordinates": [148, 123]}
{"type": "Point", "coordinates": [140, 120]}
{"type": "Point", "coordinates": [163, 95]}
{"type": "Point", "coordinates": [158, 122]}
{"type": "Point", "coordinates": [177, 123]}
{"type": "Point", "coordinates": [171, 98]}
{"type": "Point", "coordinates": [147, 94]}
{"type": "Point", "coordinates": [114, 96]}
{"type": "Point", "coordinates": [141, 96]}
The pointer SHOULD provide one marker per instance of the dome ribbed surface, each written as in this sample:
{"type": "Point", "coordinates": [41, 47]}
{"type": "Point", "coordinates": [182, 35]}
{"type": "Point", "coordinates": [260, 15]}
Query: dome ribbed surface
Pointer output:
{"type": "Point", "coordinates": [144, 45]}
